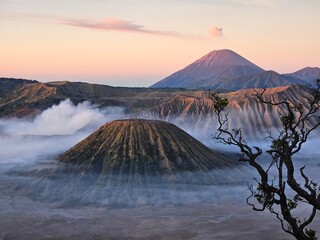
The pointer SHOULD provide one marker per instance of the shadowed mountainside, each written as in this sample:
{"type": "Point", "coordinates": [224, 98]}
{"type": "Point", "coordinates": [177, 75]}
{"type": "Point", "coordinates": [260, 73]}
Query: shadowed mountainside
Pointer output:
{"type": "Point", "coordinates": [308, 74]}
{"type": "Point", "coordinates": [268, 79]}
{"type": "Point", "coordinates": [8, 84]}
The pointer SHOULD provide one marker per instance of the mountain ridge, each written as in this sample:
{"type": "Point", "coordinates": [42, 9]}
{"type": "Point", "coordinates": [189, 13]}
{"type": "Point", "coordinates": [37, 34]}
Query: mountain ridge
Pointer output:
{"type": "Point", "coordinates": [308, 74]}
{"type": "Point", "coordinates": [9, 84]}
{"type": "Point", "coordinates": [244, 109]}
{"type": "Point", "coordinates": [226, 70]}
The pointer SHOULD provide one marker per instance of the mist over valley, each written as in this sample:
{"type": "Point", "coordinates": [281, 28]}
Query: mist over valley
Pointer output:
{"type": "Point", "coordinates": [81, 160]}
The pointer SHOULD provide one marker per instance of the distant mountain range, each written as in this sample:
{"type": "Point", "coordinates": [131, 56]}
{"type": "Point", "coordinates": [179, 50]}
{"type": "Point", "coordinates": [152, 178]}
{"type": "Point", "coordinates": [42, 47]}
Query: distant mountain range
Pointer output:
{"type": "Point", "coordinates": [227, 70]}
{"type": "Point", "coordinates": [28, 98]}
{"type": "Point", "coordinates": [308, 74]}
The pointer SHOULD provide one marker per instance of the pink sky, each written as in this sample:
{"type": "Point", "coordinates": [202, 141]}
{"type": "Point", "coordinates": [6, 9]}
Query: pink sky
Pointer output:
{"type": "Point", "coordinates": [136, 43]}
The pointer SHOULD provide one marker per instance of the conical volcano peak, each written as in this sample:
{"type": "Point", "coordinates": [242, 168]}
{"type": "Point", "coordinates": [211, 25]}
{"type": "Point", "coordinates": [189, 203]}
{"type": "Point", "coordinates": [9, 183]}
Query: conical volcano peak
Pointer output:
{"type": "Point", "coordinates": [142, 147]}
{"type": "Point", "coordinates": [224, 57]}
{"type": "Point", "coordinates": [214, 70]}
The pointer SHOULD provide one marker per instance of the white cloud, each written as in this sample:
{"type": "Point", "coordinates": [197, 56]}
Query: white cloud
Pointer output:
{"type": "Point", "coordinates": [63, 119]}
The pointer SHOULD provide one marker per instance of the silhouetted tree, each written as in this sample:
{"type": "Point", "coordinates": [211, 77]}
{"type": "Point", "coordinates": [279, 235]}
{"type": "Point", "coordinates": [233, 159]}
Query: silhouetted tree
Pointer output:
{"type": "Point", "coordinates": [283, 193]}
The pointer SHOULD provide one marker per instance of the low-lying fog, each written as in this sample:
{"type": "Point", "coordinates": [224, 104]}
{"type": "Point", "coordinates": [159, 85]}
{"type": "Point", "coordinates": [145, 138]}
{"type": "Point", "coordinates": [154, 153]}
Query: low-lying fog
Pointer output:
{"type": "Point", "coordinates": [208, 211]}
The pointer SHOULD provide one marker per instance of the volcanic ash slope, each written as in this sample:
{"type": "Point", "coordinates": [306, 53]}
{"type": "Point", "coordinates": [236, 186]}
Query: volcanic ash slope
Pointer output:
{"type": "Point", "coordinates": [143, 147]}
{"type": "Point", "coordinates": [134, 162]}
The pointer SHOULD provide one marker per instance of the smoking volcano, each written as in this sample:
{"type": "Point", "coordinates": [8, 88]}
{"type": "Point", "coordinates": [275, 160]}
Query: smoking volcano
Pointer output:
{"type": "Point", "coordinates": [132, 162]}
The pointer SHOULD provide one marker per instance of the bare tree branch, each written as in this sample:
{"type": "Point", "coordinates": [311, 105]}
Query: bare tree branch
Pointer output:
{"type": "Point", "coordinates": [298, 122]}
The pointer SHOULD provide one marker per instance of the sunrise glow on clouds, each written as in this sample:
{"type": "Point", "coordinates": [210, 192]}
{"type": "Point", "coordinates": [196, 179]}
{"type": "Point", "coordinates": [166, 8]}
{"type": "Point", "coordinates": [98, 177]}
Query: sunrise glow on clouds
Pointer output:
{"type": "Point", "coordinates": [115, 24]}
{"type": "Point", "coordinates": [136, 43]}
{"type": "Point", "coordinates": [216, 32]}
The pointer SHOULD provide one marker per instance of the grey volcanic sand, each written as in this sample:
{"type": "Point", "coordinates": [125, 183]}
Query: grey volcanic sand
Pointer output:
{"type": "Point", "coordinates": [224, 216]}
{"type": "Point", "coordinates": [23, 219]}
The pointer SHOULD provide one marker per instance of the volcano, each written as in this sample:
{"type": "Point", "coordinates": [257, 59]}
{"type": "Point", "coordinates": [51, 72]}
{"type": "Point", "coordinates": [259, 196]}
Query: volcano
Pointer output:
{"type": "Point", "coordinates": [227, 70]}
{"type": "Point", "coordinates": [210, 71]}
{"type": "Point", "coordinates": [132, 162]}
{"type": "Point", "coordinates": [142, 147]}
